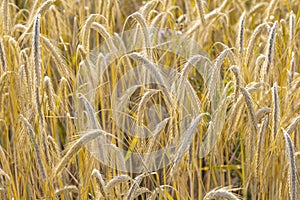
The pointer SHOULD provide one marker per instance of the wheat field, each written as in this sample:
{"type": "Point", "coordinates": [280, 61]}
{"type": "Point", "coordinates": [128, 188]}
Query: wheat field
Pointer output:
{"type": "Point", "coordinates": [88, 89]}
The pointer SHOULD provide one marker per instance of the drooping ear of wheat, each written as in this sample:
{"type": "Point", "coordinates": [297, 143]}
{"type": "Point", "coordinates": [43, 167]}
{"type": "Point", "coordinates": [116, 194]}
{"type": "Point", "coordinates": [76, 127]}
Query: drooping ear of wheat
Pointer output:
{"type": "Point", "coordinates": [270, 53]}
{"type": "Point", "coordinates": [58, 58]}
{"type": "Point", "coordinates": [90, 111]}
{"type": "Point", "coordinates": [116, 180]}
{"type": "Point", "coordinates": [249, 103]}
{"type": "Point", "coordinates": [220, 194]}
{"type": "Point", "coordinates": [252, 41]}
{"type": "Point", "coordinates": [86, 31]}
{"type": "Point", "coordinates": [136, 182]}
{"type": "Point", "coordinates": [68, 188]}
{"type": "Point", "coordinates": [87, 137]}
{"type": "Point", "coordinates": [101, 182]}
{"type": "Point", "coordinates": [237, 75]}
{"type": "Point", "coordinates": [292, 166]}
{"type": "Point", "coordinates": [262, 112]}
{"type": "Point", "coordinates": [293, 125]}
{"type": "Point", "coordinates": [215, 72]}
{"type": "Point", "coordinates": [188, 136]}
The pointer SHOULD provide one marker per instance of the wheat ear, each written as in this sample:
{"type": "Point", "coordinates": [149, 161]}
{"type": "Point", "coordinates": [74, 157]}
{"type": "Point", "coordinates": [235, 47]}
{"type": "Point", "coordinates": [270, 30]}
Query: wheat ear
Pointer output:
{"type": "Point", "coordinates": [201, 9]}
{"type": "Point", "coordinates": [5, 16]}
{"type": "Point", "coordinates": [262, 112]}
{"type": "Point", "coordinates": [293, 125]}
{"type": "Point", "coordinates": [141, 20]}
{"type": "Point", "coordinates": [100, 180]}
{"type": "Point", "coordinates": [252, 41]}
{"type": "Point", "coordinates": [140, 191]}
{"type": "Point", "coordinates": [270, 52]}
{"type": "Point", "coordinates": [37, 150]}
{"type": "Point", "coordinates": [116, 180]}
{"type": "Point", "coordinates": [292, 68]}
{"type": "Point", "coordinates": [220, 194]}
{"type": "Point", "coordinates": [57, 57]}
{"type": "Point", "coordinates": [241, 34]}
{"type": "Point", "coordinates": [276, 111]}
{"type": "Point", "coordinates": [35, 59]}
{"type": "Point", "coordinates": [292, 27]}
{"type": "Point", "coordinates": [90, 111]}
{"type": "Point", "coordinates": [69, 188]}
{"type": "Point", "coordinates": [260, 143]}
{"type": "Point", "coordinates": [292, 166]}
{"type": "Point", "coordinates": [237, 75]}
{"type": "Point", "coordinates": [135, 185]}
{"type": "Point", "coordinates": [2, 56]}
{"type": "Point", "coordinates": [187, 140]}
{"type": "Point", "coordinates": [86, 31]}
{"type": "Point", "coordinates": [249, 103]}
{"type": "Point", "coordinates": [50, 92]}
{"type": "Point", "coordinates": [215, 72]}
{"type": "Point", "coordinates": [87, 137]}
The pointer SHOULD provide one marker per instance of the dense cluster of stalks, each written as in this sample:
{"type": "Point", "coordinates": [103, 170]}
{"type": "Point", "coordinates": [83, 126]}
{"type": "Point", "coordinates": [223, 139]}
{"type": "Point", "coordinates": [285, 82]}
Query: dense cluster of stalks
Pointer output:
{"type": "Point", "coordinates": [254, 47]}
